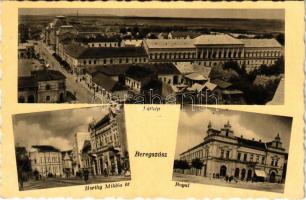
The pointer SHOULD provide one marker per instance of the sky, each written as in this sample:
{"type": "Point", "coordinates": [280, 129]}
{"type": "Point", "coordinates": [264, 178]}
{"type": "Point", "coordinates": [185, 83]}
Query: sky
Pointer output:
{"type": "Point", "coordinates": [186, 13]}
{"type": "Point", "coordinates": [56, 128]}
{"type": "Point", "coordinates": [193, 125]}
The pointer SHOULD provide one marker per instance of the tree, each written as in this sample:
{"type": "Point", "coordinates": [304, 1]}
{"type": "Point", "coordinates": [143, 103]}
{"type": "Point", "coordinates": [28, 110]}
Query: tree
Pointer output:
{"type": "Point", "coordinates": [197, 164]}
{"type": "Point", "coordinates": [176, 165]}
{"type": "Point", "coordinates": [184, 165]}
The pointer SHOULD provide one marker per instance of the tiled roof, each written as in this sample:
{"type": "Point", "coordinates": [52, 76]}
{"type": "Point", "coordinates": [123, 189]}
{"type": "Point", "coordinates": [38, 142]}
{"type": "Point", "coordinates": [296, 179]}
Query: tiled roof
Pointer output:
{"type": "Point", "coordinates": [169, 43]}
{"type": "Point", "coordinates": [79, 52]}
{"type": "Point", "coordinates": [260, 43]}
{"type": "Point", "coordinates": [162, 68]}
{"type": "Point", "coordinates": [26, 82]}
{"type": "Point", "coordinates": [218, 39]}
{"type": "Point", "coordinates": [107, 83]}
{"type": "Point", "coordinates": [47, 75]}
{"type": "Point", "coordinates": [45, 148]}
{"type": "Point", "coordinates": [138, 73]}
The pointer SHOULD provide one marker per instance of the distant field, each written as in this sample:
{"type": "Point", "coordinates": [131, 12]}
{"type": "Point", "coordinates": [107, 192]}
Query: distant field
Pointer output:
{"type": "Point", "coordinates": [252, 25]}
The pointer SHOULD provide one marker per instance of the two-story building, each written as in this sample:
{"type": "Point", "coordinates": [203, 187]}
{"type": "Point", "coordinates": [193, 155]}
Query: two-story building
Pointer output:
{"type": "Point", "coordinates": [46, 160]}
{"type": "Point", "coordinates": [43, 86]}
{"type": "Point", "coordinates": [224, 154]}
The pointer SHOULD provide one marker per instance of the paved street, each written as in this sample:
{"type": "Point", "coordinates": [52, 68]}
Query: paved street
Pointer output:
{"type": "Point", "coordinates": [83, 95]}
{"type": "Point", "coordinates": [63, 182]}
{"type": "Point", "coordinates": [269, 187]}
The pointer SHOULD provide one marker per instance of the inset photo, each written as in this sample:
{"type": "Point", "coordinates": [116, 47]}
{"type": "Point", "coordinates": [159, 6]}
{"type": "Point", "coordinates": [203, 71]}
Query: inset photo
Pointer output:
{"type": "Point", "coordinates": [71, 147]}
{"type": "Point", "coordinates": [232, 149]}
{"type": "Point", "coordinates": [145, 56]}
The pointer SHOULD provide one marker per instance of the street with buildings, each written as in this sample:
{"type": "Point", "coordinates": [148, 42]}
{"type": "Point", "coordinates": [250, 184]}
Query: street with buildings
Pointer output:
{"type": "Point", "coordinates": [99, 153]}
{"type": "Point", "coordinates": [124, 64]}
{"type": "Point", "coordinates": [224, 157]}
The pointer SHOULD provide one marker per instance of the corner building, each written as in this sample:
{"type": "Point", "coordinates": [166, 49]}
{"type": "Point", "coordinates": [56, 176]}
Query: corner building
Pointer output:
{"type": "Point", "coordinates": [108, 145]}
{"type": "Point", "coordinates": [224, 154]}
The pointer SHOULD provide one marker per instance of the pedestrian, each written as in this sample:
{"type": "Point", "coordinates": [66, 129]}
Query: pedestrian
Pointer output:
{"type": "Point", "coordinates": [105, 169]}
{"type": "Point", "coordinates": [86, 175]}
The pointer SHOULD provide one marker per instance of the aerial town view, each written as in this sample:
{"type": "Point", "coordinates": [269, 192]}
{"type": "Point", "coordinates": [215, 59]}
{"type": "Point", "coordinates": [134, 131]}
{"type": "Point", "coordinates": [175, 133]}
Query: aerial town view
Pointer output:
{"type": "Point", "coordinates": [216, 56]}
{"type": "Point", "coordinates": [70, 147]}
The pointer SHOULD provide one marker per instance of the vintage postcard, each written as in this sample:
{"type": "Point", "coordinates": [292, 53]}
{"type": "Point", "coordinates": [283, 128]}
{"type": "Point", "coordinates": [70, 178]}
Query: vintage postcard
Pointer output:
{"type": "Point", "coordinates": [152, 99]}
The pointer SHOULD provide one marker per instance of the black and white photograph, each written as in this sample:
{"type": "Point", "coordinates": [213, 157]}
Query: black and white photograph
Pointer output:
{"type": "Point", "coordinates": [71, 147]}
{"type": "Point", "coordinates": [152, 56]}
{"type": "Point", "coordinates": [232, 149]}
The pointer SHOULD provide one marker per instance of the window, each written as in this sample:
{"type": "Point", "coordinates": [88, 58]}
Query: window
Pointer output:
{"type": "Point", "coordinates": [263, 160]}
{"type": "Point", "coordinates": [48, 87]}
{"type": "Point", "coordinates": [257, 158]}
{"type": "Point", "coordinates": [238, 156]}
{"type": "Point", "coordinates": [222, 153]}
{"type": "Point", "coordinates": [227, 154]}
{"type": "Point", "coordinates": [276, 162]}
{"type": "Point", "coordinates": [245, 157]}
{"type": "Point", "coordinates": [48, 98]}
{"type": "Point", "coordinates": [251, 157]}
{"type": "Point", "coordinates": [272, 162]}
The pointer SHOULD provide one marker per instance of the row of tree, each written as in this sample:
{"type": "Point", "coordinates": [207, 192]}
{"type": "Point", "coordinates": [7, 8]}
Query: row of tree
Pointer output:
{"type": "Point", "coordinates": [183, 165]}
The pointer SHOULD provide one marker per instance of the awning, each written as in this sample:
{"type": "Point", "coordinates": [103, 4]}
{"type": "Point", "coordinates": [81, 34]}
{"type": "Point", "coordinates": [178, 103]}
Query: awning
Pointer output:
{"type": "Point", "coordinates": [260, 173]}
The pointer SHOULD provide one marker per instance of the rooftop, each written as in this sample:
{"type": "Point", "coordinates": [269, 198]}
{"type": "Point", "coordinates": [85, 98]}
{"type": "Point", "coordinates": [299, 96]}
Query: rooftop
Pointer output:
{"type": "Point", "coordinates": [169, 43]}
{"type": "Point", "coordinates": [26, 82]}
{"type": "Point", "coordinates": [47, 75]}
{"type": "Point", "coordinates": [218, 39]}
{"type": "Point", "coordinates": [138, 72]}
{"type": "Point", "coordinates": [80, 52]}
{"type": "Point", "coordinates": [45, 148]}
{"type": "Point", "coordinates": [107, 83]}
{"type": "Point", "coordinates": [260, 43]}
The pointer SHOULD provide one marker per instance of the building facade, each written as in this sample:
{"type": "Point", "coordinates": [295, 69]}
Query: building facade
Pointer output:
{"type": "Point", "coordinates": [108, 146]}
{"type": "Point", "coordinates": [43, 86]}
{"type": "Point", "coordinates": [46, 160]}
{"type": "Point", "coordinates": [223, 155]}
{"type": "Point", "coordinates": [210, 50]}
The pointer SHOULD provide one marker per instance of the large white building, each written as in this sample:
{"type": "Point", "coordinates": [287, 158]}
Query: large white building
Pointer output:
{"type": "Point", "coordinates": [46, 160]}
{"type": "Point", "coordinates": [209, 50]}
{"type": "Point", "coordinates": [224, 154]}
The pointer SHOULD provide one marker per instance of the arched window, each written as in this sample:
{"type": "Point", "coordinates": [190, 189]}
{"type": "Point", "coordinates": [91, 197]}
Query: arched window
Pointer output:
{"type": "Point", "coordinates": [48, 98]}
{"type": "Point", "coordinates": [21, 99]}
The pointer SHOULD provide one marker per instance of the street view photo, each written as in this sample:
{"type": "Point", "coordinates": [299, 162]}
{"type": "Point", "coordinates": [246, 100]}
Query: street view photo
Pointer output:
{"type": "Point", "coordinates": [71, 147]}
{"type": "Point", "coordinates": [160, 56]}
{"type": "Point", "coordinates": [232, 149]}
